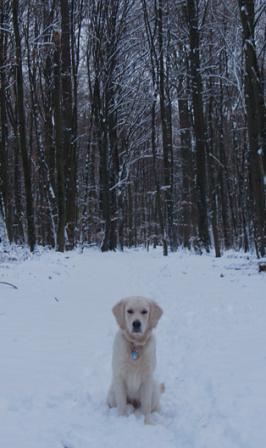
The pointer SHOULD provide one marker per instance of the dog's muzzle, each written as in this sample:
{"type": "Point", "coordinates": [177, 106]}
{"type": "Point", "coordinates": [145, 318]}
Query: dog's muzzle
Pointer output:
{"type": "Point", "coordinates": [136, 326]}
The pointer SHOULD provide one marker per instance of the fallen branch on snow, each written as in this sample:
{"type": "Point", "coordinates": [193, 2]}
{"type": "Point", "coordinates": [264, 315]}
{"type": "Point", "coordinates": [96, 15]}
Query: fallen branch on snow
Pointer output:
{"type": "Point", "coordinates": [9, 284]}
{"type": "Point", "coordinates": [262, 267]}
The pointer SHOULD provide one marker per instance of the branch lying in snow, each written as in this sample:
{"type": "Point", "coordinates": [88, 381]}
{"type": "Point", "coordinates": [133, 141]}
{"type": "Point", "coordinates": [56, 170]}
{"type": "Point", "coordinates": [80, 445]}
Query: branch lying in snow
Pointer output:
{"type": "Point", "coordinates": [9, 284]}
{"type": "Point", "coordinates": [262, 267]}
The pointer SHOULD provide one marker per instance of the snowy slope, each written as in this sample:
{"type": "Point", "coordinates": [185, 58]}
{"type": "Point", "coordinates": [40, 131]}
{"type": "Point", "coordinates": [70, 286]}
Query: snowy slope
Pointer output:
{"type": "Point", "coordinates": [56, 333]}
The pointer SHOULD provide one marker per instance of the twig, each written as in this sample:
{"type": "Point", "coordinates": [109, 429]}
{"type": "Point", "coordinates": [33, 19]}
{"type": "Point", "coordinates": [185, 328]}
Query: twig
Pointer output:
{"type": "Point", "coordinates": [9, 284]}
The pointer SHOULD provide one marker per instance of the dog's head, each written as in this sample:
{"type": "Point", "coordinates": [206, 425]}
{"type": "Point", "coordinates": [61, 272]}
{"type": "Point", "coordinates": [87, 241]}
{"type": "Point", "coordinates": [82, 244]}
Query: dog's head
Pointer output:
{"type": "Point", "coordinates": [137, 315]}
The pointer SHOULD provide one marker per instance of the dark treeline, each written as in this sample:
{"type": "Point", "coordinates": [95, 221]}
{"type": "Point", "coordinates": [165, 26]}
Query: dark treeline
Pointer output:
{"type": "Point", "coordinates": [128, 122]}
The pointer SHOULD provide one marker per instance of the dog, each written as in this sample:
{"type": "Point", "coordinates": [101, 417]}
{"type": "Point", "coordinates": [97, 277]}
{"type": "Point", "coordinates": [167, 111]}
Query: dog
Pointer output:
{"type": "Point", "coordinates": [134, 357]}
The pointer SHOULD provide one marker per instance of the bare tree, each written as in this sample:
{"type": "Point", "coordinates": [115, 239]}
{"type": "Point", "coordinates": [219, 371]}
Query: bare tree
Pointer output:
{"type": "Point", "coordinates": [131, 122]}
{"type": "Point", "coordinates": [256, 118]}
{"type": "Point", "coordinates": [22, 142]}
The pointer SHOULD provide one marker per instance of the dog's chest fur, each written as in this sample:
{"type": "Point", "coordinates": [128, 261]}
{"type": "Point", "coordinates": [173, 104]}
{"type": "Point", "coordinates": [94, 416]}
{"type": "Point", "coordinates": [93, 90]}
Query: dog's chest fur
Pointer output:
{"type": "Point", "coordinates": [133, 384]}
{"type": "Point", "coordinates": [133, 371]}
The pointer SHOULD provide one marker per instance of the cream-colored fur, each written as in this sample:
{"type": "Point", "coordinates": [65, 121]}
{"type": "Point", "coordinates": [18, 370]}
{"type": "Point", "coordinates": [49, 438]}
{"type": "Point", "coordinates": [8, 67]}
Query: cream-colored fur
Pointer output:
{"type": "Point", "coordinates": [133, 381]}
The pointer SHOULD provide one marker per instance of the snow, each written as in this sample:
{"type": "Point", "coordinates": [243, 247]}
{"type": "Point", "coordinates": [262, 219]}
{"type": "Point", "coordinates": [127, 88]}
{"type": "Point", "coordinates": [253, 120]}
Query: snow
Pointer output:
{"type": "Point", "coordinates": [56, 333]}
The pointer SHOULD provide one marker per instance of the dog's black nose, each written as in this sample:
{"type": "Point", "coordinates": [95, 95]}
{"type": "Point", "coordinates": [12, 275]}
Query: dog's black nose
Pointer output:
{"type": "Point", "coordinates": [136, 325]}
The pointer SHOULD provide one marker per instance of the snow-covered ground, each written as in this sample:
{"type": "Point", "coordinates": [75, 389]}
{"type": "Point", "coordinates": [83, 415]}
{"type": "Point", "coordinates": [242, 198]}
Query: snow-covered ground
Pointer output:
{"type": "Point", "coordinates": [56, 334]}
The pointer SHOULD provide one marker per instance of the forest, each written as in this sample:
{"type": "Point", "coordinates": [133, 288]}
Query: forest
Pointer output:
{"type": "Point", "coordinates": [133, 122]}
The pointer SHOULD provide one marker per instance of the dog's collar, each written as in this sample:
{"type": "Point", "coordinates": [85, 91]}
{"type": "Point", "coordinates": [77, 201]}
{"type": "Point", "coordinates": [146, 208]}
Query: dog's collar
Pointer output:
{"type": "Point", "coordinates": [140, 342]}
{"type": "Point", "coordinates": [135, 349]}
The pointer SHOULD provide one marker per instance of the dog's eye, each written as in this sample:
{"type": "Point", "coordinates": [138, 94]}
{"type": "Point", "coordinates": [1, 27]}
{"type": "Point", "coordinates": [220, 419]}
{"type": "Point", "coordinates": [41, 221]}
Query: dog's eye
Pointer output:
{"type": "Point", "coordinates": [144, 312]}
{"type": "Point", "coordinates": [130, 311]}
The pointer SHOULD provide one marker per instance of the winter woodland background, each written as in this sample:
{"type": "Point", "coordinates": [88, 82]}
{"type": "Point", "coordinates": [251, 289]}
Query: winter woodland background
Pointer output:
{"type": "Point", "coordinates": [128, 122]}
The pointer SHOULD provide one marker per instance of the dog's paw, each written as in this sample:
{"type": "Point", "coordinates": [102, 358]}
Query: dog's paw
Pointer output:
{"type": "Point", "coordinates": [148, 420]}
{"type": "Point", "coordinates": [122, 411]}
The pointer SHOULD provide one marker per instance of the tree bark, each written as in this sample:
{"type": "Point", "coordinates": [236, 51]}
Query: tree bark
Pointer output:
{"type": "Point", "coordinates": [166, 124]}
{"type": "Point", "coordinates": [255, 121]}
{"type": "Point", "coordinates": [3, 127]}
{"type": "Point", "coordinates": [187, 169]}
{"type": "Point", "coordinates": [26, 163]}
{"type": "Point", "coordinates": [61, 210]}
{"type": "Point", "coordinates": [198, 122]}
{"type": "Point", "coordinates": [67, 125]}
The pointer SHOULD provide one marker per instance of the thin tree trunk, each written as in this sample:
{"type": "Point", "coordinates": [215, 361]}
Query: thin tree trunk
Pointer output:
{"type": "Point", "coordinates": [187, 168]}
{"type": "Point", "coordinates": [67, 125]}
{"type": "Point", "coordinates": [22, 131]}
{"type": "Point", "coordinates": [255, 121]}
{"type": "Point", "coordinates": [199, 124]}
{"type": "Point", "coordinates": [166, 131]}
{"type": "Point", "coordinates": [4, 127]}
{"type": "Point", "coordinates": [61, 211]}
{"type": "Point", "coordinates": [157, 183]}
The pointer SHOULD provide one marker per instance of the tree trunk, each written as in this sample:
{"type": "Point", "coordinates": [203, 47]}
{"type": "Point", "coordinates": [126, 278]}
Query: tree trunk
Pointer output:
{"type": "Point", "coordinates": [22, 130]}
{"type": "Point", "coordinates": [67, 125]}
{"type": "Point", "coordinates": [61, 211]}
{"type": "Point", "coordinates": [198, 124]}
{"type": "Point", "coordinates": [187, 169]}
{"type": "Point", "coordinates": [157, 183]}
{"type": "Point", "coordinates": [166, 132]}
{"type": "Point", "coordinates": [255, 121]}
{"type": "Point", "coordinates": [3, 127]}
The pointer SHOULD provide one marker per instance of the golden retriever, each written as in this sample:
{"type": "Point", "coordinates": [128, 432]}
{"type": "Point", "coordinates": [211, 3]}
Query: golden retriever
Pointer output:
{"type": "Point", "coordinates": [134, 357]}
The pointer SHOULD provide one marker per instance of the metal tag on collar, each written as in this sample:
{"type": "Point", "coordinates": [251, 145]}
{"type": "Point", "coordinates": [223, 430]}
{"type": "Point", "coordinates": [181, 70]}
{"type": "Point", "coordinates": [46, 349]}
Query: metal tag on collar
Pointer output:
{"type": "Point", "coordinates": [134, 355]}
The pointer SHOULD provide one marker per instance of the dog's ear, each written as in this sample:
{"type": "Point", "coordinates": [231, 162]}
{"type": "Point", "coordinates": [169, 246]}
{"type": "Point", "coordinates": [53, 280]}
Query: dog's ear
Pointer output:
{"type": "Point", "coordinates": [155, 313]}
{"type": "Point", "coordinates": [119, 313]}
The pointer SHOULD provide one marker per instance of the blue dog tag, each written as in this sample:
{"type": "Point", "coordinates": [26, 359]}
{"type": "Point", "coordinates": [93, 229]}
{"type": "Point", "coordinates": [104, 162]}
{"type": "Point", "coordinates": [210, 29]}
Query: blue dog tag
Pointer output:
{"type": "Point", "coordinates": [134, 355]}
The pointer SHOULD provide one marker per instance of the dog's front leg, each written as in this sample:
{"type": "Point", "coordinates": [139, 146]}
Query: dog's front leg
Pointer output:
{"type": "Point", "coordinates": [121, 396]}
{"type": "Point", "coordinates": [146, 399]}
